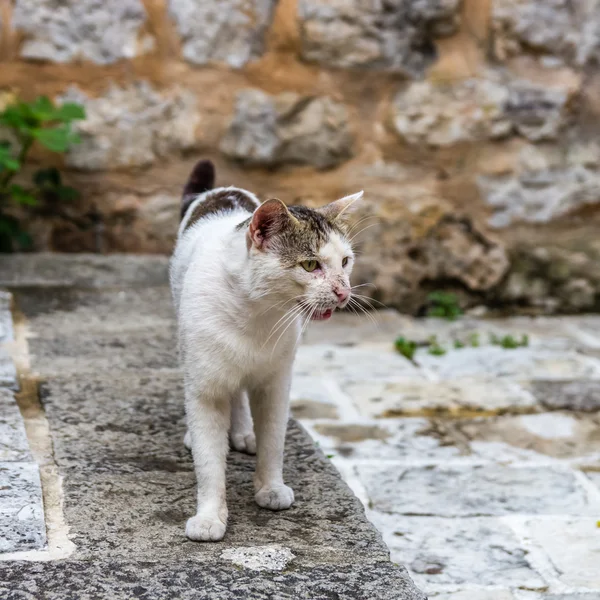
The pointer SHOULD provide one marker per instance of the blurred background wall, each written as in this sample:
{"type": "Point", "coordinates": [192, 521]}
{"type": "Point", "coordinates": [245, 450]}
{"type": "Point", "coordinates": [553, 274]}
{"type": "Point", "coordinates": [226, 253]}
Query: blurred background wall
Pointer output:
{"type": "Point", "coordinates": [472, 126]}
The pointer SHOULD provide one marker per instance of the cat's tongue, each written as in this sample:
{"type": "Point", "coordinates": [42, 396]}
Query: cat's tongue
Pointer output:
{"type": "Point", "coordinates": [322, 316]}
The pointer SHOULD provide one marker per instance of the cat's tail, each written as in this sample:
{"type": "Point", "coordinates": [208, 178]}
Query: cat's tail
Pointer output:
{"type": "Point", "coordinates": [201, 179]}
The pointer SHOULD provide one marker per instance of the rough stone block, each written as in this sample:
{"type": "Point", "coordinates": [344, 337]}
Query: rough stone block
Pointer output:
{"type": "Point", "coordinates": [479, 109]}
{"type": "Point", "coordinates": [395, 37]}
{"type": "Point", "coordinates": [552, 28]}
{"type": "Point", "coordinates": [132, 126]}
{"type": "Point", "coordinates": [21, 511]}
{"type": "Point", "coordinates": [377, 399]}
{"type": "Point", "coordinates": [100, 31]}
{"type": "Point", "coordinates": [288, 128]}
{"type": "Point", "coordinates": [189, 580]}
{"type": "Point", "coordinates": [545, 184]}
{"type": "Point", "coordinates": [490, 490]}
{"type": "Point", "coordinates": [573, 546]}
{"type": "Point", "coordinates": [458, 552]}
{"type": "Point", "coordinates": [13, 439]}
{"type": "Point", "coordinates": [230, 31]}
{"type": "Point", "coordinates": [46, 270]}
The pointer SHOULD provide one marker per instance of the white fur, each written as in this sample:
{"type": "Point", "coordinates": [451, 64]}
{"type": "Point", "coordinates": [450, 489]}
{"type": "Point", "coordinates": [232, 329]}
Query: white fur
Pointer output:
{"type": "Point", "coordinates": [239, 324]}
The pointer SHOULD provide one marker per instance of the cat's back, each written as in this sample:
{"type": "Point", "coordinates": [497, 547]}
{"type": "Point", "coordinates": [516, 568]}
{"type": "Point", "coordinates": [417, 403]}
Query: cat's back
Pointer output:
{"type": "Point", "coordinates": [211, 205]}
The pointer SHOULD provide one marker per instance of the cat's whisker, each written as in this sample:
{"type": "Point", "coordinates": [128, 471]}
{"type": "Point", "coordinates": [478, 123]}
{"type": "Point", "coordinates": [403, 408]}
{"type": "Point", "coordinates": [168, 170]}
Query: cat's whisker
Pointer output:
{"type": "Point", "coordinates": [355, 287]}
{"type": "Point", "coordinates": [359, 232]}
{"type": "Point", "coordinates": [363, 220]}
{"type": "Point", "coordinates": [282, 333]}
{"type": "Point", "coordinates": [366, 312]}
{"type": "Point", "coordinates": [369, 300]}
{"type": "Point", "coordinates": [287, 319]}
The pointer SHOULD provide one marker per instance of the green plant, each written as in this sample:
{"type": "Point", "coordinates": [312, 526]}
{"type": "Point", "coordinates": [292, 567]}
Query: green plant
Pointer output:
{"type": "Point", "coordinates": [406, 347]}
{"type": "Point", "coordinates": [509, 342]}
{"type": "Point", "coordinates": [458, 344]}
{"type": "Point", "coordinates": [434, 347]}
{"type": "Point", "coordinates": [443, 305]}
{"type": "Point", "coordinates": [27, 123]}
{"type": "Point", "coordinates": [474, 340]}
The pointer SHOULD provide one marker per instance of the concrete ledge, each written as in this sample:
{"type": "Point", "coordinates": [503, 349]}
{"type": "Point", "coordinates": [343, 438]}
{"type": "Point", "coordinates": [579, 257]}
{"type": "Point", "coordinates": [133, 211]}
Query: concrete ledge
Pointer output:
{"type": "Point", "coordinates": [101, 346]}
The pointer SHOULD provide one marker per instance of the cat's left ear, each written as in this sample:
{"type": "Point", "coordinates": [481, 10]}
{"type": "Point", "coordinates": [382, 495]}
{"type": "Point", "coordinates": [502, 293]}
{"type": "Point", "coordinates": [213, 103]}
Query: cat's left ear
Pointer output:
{"type": "Point", "coordinates": [268, 220]}
{"type": "Point", "coordinates": [342, 208]}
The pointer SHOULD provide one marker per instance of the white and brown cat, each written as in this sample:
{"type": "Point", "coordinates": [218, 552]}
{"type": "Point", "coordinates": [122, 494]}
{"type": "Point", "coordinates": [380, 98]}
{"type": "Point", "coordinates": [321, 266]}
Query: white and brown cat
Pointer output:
{"type": "Point", "coordinates": [245, 278]}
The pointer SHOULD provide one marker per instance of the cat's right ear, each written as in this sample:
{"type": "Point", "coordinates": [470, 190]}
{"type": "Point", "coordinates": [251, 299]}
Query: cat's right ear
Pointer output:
{"type": "Point", "coordinates": [269, 219]}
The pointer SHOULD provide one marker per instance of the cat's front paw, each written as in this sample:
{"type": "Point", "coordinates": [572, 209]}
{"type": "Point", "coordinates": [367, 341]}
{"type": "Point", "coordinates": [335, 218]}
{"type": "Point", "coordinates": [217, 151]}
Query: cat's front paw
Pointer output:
{"type": "Point", "coordinates": [275, 498]}
{"type": "Point", "coordinates": [244, 442]}
{"type": "Point", "coordinates": [200, 528]}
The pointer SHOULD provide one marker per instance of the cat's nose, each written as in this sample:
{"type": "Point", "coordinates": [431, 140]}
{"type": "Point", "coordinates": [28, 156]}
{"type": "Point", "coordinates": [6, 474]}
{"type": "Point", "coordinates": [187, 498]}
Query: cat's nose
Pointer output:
{"type": "Point", "coordinates": [341, 294]}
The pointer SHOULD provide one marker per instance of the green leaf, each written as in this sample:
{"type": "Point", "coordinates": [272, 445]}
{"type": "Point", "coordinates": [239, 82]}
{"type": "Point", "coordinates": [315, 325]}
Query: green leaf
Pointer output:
{"type": "Point", "coordinates": [69, 111]}
{"type": "Point", "coordinates": [58, 139]}
{"type": "Point", "coordinates": [43, 109]}
{"type": "Point", "coordinates": [22, 196]}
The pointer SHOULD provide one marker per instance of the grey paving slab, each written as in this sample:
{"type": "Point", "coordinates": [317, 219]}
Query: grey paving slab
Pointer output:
{"type": "Point", "coordinates": [476, 594]}
{"type": "Point", "coordinates": [573, 546]}
{"type": "Point", "coordinates": [519, 364]}
{"type": "Point", "coordinates": [6, 328]}
{"type": "Point", "coordinates": [8, 371]}
{"type": "Point", "coordinates": [510, 438]}
{"type": "Point", "coordinates": [189, 580]}
{"type": "Point", "coordinates": [576, 394]}
{"type": "Point", "coordinates": [409, 439]}
{"type": "Point", "coordinates": [374, 361]}
{"type": "Point", "coordinates": [13, 439]}
{"type": "Point", "coordinates": [379, 398]}
{"type": "Point", "coordinates": [21, 508]}
{"type": "Point", "coordinates": [477, 491]}
{"type": "Point", "coordinates": [458, 552]}
{"type": "Point", "coordinates": [83, 270]}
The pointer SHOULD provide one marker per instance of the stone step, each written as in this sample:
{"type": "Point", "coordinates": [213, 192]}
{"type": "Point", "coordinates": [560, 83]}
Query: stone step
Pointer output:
{"type": "Point", "coordinates": [100, 335]}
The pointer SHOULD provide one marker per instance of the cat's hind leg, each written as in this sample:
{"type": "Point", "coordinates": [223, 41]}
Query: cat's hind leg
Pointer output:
{"type": "Point", "coordinates": [241, 434]}
{"type": "Point", "coordinates": [208, 418]}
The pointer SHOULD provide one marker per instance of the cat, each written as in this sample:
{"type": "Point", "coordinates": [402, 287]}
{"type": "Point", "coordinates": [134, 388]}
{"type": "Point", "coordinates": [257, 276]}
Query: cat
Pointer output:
{"type": "Point", "coordinates": [246, 278]}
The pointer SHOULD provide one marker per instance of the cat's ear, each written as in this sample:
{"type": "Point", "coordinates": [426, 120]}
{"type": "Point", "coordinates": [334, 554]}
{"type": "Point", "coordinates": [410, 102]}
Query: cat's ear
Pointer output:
{"type": "Point", "coordinates": [341, 208]}
{"type": "Point", "coordinates": [269, 219]}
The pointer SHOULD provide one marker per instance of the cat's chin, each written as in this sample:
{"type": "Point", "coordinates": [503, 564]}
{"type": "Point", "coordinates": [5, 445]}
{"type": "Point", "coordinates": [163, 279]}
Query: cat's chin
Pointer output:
{"type": "Point", "coordinates": [324, 316]}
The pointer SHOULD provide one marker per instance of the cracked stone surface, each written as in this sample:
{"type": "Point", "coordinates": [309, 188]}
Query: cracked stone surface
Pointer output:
{"type": "Point", "coordinates": [132, 126]}
{"type": "Point", "coordinates": [230, 31]}
{"type": "Point", "coordinates": [21, 513]}
{"type": "Point", "coordinates": [100, 31]}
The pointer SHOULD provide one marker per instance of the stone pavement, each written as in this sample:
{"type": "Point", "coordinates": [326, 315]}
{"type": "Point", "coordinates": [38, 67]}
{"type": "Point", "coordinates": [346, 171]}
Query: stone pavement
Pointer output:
{"type": "Point", "coordinates": [100, 423]}
{"type": "Point", "coordinates": [480, 467]}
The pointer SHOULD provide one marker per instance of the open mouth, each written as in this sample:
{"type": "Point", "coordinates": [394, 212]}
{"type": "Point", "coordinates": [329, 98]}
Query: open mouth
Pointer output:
{"type": "Point", "coordinates": [322, 316]}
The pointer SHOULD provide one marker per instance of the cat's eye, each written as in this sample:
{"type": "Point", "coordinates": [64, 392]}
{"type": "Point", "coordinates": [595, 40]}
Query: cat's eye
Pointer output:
{"type": "Point", "coordinates": [345, 261]}
{"type": "Point", "coordinates": [309, 265]}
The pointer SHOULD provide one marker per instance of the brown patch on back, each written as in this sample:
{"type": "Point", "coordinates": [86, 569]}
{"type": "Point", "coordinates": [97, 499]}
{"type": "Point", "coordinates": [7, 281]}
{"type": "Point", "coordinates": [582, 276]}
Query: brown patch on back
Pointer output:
{"type": "Point", "coordinates": [224, 200]}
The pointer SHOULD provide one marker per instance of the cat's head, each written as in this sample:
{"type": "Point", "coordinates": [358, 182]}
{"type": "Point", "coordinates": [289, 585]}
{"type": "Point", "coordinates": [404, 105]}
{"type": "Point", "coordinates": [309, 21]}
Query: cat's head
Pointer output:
{"type": "Point", "coordinates": [301, 256]}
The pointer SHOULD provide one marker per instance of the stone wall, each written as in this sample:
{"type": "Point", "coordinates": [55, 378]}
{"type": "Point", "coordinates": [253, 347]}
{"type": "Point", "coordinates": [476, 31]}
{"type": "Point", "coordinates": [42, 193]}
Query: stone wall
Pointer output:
{"type": "Point", "coordinates": [471, 125]}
